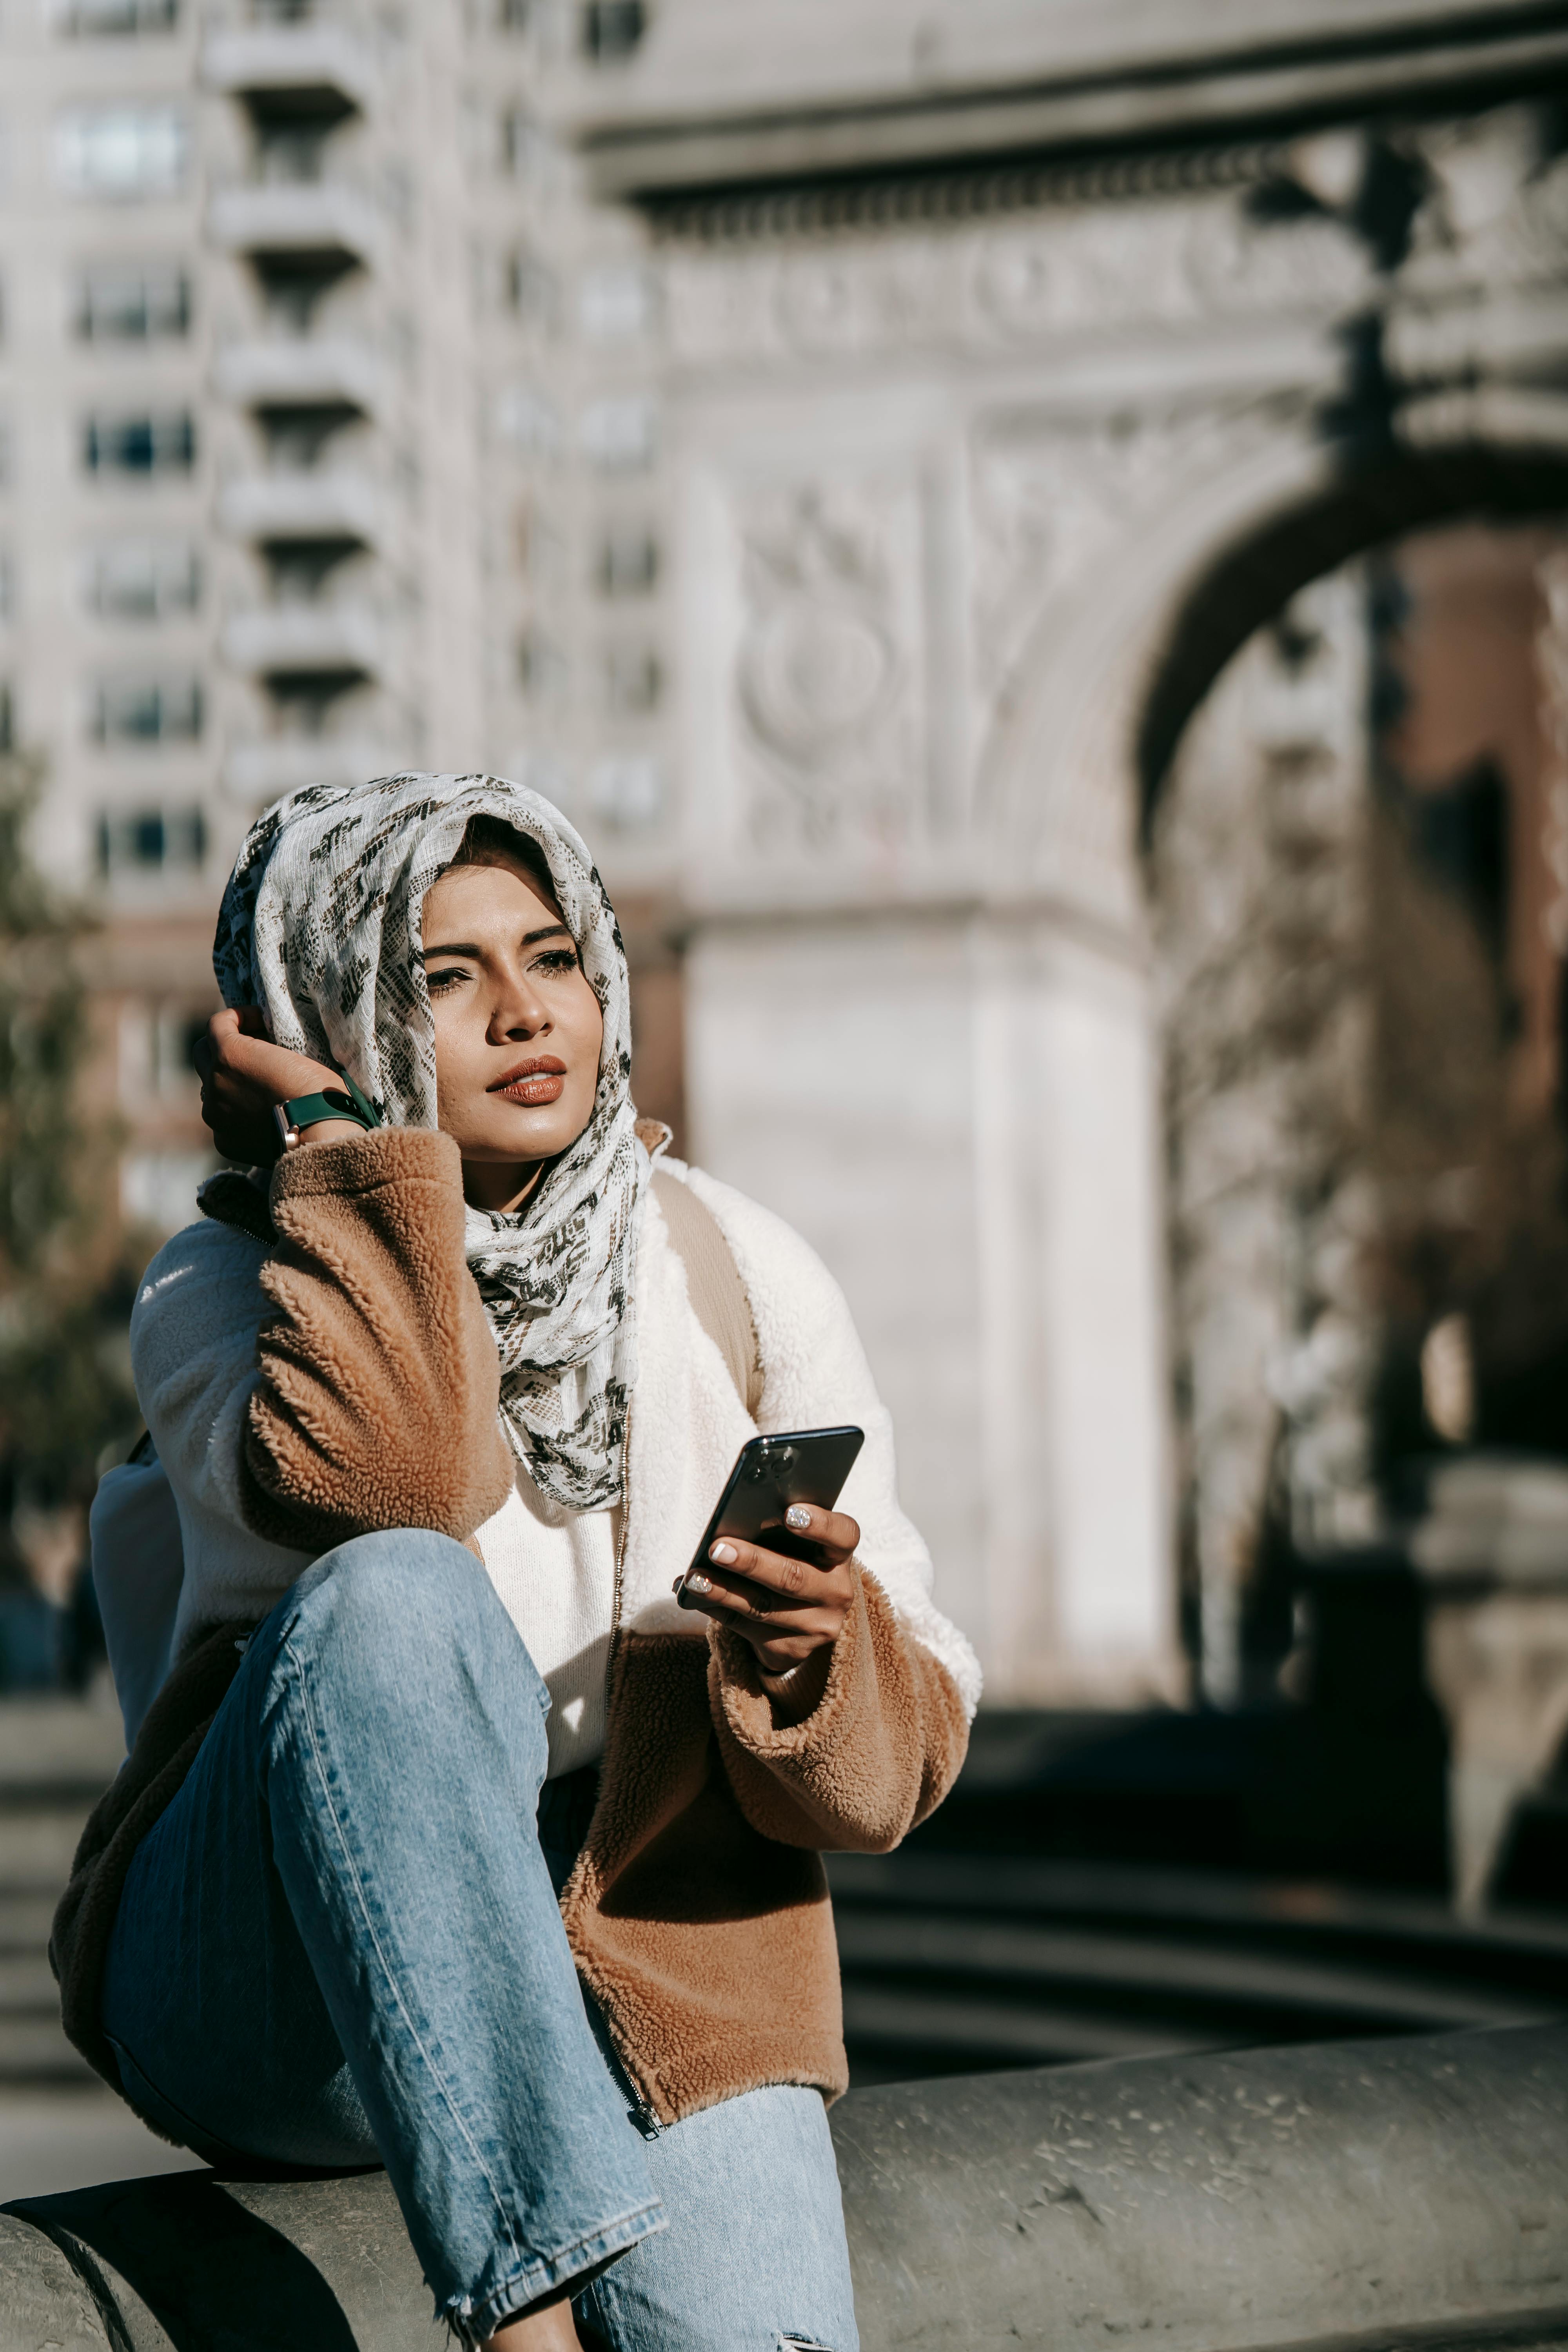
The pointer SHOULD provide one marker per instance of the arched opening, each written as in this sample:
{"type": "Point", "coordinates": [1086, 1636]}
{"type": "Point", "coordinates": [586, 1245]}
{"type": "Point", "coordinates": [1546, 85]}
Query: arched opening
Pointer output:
{"type": "Point", "coordinates": [1251, 580]}
{"type": "Point", "coordinates": [1350, 763]}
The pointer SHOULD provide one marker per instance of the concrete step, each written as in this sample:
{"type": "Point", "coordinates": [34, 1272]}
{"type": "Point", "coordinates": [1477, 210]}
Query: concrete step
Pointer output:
{"type": "Point", "coordinates": [56, 1756]}
{"type": "Point", "coordinates": [954, 1960]}
{"type": "Point", "coordinates": [59, 1745]}
{"type": "Point", "coordinates": [25, 1920]}
{"type": "Point", "coordinates": [60, 2135]}
{"type": "Point", "coordinates": [26, 1984]}
{"type": "Point", "coordinates": [35, 1848]}
{"type": "Point", "coordinates": [35, 2052]}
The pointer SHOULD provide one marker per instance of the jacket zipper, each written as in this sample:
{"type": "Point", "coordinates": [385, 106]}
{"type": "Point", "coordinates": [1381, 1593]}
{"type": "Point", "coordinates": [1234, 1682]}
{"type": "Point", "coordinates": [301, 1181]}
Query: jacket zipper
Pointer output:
{"type": "Point", "coordinates": [642, 2115]}
{"type": "Point", "coordinates": [616, 1596]}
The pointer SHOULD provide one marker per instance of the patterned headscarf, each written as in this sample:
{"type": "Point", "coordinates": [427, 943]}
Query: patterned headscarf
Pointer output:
{"type": "Point", "coordinates": [321, 926]}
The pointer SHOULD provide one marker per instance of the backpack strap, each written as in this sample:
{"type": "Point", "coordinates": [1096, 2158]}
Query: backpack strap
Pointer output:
{"type": "Point", "coordinates": [713, 1283]}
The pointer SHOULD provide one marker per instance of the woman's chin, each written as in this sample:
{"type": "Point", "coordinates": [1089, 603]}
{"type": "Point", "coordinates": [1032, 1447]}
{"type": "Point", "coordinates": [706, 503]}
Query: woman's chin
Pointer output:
{"type": "Point", "coordinates": [521, 1138]}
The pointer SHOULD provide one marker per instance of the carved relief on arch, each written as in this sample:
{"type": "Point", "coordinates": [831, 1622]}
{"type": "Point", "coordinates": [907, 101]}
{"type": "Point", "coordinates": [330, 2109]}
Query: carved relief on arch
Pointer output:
{"type": "Point", "coordinates": [1065, 507]}
{"type": "Point", "coordinates": [1160, 263]}
{"type": "Point", "coordinates": [1090, 532]}
{"type": "Point", "coordinates": [852, 298]}
{"type": "Point", "coordinates": [830, 723]}
{"type": "Point", "coordinates": [1163, 261]}
{"type": "Point", "coordinates": [1048, 492]}
{"type": "Point", "coordinates": [1496, 208]}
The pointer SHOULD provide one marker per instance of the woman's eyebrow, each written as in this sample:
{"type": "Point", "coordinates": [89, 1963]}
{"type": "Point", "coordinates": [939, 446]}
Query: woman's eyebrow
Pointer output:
{"type": "Point", "coordinates": [467, 946]}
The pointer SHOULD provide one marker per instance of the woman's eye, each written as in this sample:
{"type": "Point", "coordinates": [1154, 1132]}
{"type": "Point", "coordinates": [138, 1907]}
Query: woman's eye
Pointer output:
{"type": "Point", "coordinates": [440, 984]}
{"type": "Point", "coordinates": [557, 959]}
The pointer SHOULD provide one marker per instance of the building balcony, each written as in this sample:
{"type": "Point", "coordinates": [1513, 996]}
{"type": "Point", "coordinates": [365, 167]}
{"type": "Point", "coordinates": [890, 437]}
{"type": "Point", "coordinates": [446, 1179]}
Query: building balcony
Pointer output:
{"type": "Point", "coordinates": [321, 224]}
{"type": "Point", "coordinates": [331, 642]}
{"type": "Point", "coordinates": [301, 373]}
{"type": "Point", "coordinates": [330, 506]}
{"type": "Point", "coordinates": [258, 773]}
{"type": "Point", "coordinates": [317, 69]}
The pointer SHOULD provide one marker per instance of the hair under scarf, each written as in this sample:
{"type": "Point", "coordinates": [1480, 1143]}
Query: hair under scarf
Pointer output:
{"type": "Point", "coordinates": [321, 926]}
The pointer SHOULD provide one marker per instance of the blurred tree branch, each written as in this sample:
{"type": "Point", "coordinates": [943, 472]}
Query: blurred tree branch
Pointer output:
{"type": "Point", "coordinates": [65, 1379]}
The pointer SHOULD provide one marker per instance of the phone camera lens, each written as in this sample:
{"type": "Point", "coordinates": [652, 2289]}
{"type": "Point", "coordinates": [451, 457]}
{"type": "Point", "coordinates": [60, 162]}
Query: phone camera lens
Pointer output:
{"type": "Point", "coordinates": [783, 1457]}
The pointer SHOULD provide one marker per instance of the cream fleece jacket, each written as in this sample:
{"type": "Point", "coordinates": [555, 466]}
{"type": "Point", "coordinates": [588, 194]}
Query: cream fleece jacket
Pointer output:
{"type": "Point", "coordinates": [194, 1351]}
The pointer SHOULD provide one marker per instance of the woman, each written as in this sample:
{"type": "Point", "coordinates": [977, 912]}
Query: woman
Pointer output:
{"type": "Point", "coordinates": [453, 1840]}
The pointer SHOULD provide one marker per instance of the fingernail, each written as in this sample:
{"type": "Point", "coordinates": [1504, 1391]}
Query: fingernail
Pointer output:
{"type": "Point", "coordinates": [798, 1515]}
{"type": "Point", "coordinates": [697, 1583]}
{"type": "Point", "coordinates": [725, 1554]}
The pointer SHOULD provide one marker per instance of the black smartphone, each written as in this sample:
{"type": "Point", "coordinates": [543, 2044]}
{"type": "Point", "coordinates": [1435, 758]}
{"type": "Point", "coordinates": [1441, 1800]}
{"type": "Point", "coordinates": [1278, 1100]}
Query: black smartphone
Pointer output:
{"type": "Point", "coordinates": [800, 1465]}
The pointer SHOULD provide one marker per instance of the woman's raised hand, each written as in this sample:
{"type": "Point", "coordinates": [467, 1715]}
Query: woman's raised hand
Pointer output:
{"type": "Point", "coordinates": [790, 1611]}
{"type": "Point", "coordinates": [244, 1074]}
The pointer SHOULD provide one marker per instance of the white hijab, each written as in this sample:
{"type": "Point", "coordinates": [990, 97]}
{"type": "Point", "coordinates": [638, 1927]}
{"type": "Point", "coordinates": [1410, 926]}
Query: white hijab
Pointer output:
{"type": "Point", "coordinates": [321, 926]}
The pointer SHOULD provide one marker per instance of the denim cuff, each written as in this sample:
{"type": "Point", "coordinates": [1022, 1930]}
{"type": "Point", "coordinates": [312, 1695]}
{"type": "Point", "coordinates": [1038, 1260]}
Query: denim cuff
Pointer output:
{"type": "Point", "coordinates": [472, 2319]}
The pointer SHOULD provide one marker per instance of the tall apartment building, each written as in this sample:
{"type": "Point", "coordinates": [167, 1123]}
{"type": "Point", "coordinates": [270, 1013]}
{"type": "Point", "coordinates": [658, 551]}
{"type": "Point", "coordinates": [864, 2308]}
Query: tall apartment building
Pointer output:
{"type": "Point", "coordinates": [328, 447]}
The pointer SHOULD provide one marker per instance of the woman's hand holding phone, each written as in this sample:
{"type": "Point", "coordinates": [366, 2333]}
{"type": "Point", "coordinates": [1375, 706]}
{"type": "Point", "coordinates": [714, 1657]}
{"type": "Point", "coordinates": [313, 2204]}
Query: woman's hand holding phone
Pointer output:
{"type": "Point", "coordinates": [790, 1611]}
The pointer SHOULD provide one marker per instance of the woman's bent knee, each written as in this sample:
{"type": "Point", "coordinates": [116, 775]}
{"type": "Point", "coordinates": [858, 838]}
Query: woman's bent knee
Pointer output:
{"type": "Point", "coordinates": [407, 1617]}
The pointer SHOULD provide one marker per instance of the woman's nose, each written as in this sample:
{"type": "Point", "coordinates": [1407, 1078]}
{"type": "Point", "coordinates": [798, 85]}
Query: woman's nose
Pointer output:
{"type": "Point", "coordinates": [519, 1011]}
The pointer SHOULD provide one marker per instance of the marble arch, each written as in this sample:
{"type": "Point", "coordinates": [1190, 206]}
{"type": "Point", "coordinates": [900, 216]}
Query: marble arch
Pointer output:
{"type": "Point", "coordinates": [978, 463]}
{"type": "Point", "coordinates": [1112, 677]}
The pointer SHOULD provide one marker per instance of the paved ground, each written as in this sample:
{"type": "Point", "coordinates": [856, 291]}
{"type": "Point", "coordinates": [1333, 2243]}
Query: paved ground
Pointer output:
{"type": "Point", "coordinates": [71, 2136]}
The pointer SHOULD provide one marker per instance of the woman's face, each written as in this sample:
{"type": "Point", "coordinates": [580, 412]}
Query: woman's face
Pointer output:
{"type": "Point", "coordinates": [518, 1028]}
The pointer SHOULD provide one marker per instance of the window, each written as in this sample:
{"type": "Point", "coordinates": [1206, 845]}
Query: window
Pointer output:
{"type": "Point", "coordinates": [143, 579]}
{"type": "Point", "coordinates": [147, 711]}
{"type": "Point", "coordinates": [158, 1188]}
{"type": "Point", "coordinates": [619, 433]}
{"type": "Point", "coordinates": [150, 841]}
{"type": "Point", "coordinates": [616, 302]}
{"type": "Point", "coordinates": [158, 1038]}
{"type": "Point", "coordinates": [631, 680]}
{"type": "Point", "coordinates": [118, 15]}
{"type": "Point", "coordinates": [513, 15]}
{"type": "Point", "coordinates": [612, 28]}
{"type": "Point", "coordinates": [627, 792]}
{"type": "Point", "coordinates": [532, 292]}
{"type": "Point", "coordinates": [133, 301]}
{"type": "Point", "coordinates": [121, 151]}
{"type": "Point", "coordinates": [161, 444]}
{"type": "Point", "coordinates": [628, 562]}
{"type": "Point", "coordinates": [528, 420]}
{"type": "Point", "coordinates": [7, 719]}
{"type": "Point", "coordinates": [541, 666]}
{"type": "Point", "coordinates": [525, 148]}
{"type": "Point", "coordinates": [291, 156]}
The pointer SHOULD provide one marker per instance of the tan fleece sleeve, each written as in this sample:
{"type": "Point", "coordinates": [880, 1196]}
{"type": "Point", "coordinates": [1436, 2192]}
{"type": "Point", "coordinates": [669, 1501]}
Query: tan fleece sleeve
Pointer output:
{"type": "Point", "coordinates": [878, 1751]}
{"type": "Point", "coordinates": [378, 1401]}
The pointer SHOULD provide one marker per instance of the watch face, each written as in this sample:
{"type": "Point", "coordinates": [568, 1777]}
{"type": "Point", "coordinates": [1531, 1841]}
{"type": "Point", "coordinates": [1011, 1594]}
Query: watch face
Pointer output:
{"type": "Point", "coordinates": [288, 1133]}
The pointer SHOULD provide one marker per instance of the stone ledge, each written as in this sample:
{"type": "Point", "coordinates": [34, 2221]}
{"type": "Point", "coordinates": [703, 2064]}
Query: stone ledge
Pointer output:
{"type": "Point", "coordinates": [1389, 2190]}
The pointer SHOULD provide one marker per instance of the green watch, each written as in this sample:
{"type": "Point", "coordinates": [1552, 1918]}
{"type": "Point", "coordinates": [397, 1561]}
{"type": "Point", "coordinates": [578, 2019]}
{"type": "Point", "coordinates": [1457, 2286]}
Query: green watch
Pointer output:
{"type": "Point", "coordinates": [305, 1110]}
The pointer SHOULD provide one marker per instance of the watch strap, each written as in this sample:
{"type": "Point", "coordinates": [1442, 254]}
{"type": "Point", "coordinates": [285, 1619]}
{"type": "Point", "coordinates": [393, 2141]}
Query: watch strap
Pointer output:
{"type": "Point", "coordinates": [368, 1114]}
{"type": "Point", "coordinates": [306, 1110]}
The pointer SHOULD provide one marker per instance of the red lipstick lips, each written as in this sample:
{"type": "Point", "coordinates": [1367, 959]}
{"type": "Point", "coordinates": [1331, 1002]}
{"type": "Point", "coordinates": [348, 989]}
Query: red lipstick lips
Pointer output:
{"type": "Point", "coordinates": [533, 1083]}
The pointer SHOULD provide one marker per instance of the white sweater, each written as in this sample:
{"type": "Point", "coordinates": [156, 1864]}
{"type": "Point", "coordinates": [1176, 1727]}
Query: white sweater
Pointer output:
{"type": "Point", "coordinates": [193, 1352]}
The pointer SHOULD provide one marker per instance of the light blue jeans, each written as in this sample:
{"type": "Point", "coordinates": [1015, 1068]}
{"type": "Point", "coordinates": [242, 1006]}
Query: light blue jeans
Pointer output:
{"type": "Point", "coordinates": [340, 1946]}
